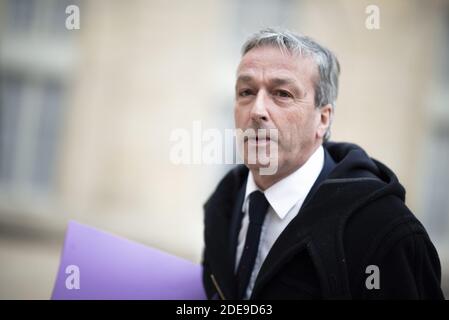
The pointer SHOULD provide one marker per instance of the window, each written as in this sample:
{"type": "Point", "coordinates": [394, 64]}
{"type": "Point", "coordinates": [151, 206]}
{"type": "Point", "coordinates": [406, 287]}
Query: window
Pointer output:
{"type": "Point", "coordinates": [32, 91]}
{"type": "Point", "coordinates": [436, 155]}
{"type": "Point", "coordinates": [30, 118]}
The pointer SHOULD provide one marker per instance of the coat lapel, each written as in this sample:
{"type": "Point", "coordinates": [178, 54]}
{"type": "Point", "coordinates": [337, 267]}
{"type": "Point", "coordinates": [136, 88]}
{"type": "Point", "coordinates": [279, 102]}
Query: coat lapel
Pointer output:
{"type": "Point", "coordinates": [223, 220]}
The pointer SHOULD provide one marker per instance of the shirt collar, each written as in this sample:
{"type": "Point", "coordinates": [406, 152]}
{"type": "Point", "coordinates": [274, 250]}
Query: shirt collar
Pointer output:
{"type": "Point", "coordinates": [284, 194]}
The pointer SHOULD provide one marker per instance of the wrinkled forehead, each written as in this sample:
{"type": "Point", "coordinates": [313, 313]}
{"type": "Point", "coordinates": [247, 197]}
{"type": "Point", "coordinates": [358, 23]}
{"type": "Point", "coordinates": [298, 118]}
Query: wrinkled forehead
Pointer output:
{"type": "Point", "coordinates": [271, 61]}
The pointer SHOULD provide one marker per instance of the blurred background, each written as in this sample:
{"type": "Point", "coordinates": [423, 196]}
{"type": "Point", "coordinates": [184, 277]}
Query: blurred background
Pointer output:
{"type": "Point", "coordinates": [86, 115]}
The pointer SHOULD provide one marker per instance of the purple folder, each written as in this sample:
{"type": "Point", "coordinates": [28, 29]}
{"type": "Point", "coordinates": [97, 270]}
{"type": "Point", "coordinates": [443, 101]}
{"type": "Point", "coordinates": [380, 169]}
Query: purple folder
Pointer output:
{"type": "Point", "coordinates": [99, 265]}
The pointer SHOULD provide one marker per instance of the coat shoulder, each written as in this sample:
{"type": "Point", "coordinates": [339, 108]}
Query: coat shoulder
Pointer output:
{"type": "Point", "coordinates": [228, 186]}
{"type": "Point", "coordinates": [385, 233]}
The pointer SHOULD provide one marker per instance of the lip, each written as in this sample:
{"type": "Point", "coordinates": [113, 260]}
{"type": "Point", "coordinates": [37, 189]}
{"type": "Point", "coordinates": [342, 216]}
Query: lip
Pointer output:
{"type": "Point", "coordinates": [259, 142]}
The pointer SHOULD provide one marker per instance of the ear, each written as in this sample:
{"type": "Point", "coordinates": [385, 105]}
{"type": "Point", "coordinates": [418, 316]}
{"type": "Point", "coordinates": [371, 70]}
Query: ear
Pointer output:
{"type": "Point", "coordinates": [325, 114]}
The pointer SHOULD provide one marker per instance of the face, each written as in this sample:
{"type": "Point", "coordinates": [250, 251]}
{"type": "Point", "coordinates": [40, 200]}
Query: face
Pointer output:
{"type": "Point", "coordinates": [275, 90]}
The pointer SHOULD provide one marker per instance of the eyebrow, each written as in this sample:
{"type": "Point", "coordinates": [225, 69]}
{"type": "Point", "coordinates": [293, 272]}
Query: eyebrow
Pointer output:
{"type": "Point", "coordinates": [246, 78]}
{"type": "Point", "coordinates": [283, 81]}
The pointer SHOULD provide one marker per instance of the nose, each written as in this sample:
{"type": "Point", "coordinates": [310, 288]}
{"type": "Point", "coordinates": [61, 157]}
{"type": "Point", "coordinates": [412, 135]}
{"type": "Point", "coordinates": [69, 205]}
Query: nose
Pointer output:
{"type": "Point", "coordinates": [259, 112]}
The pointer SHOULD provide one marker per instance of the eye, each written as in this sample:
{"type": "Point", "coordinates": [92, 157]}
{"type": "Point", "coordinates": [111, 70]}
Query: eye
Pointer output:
{"type": "Point", "coordinates": [245, 93]}
{"type": "Point", "coordinates": [283, 94]}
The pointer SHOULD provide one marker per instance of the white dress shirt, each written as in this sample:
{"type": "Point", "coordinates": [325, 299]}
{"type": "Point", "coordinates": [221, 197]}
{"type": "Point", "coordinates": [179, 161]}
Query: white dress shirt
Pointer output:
{"type": "Point", "coordinates": [285, 198]}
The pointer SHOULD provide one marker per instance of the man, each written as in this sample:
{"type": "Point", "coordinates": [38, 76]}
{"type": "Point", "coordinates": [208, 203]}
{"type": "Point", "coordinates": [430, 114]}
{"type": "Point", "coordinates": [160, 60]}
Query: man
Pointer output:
{"type": "Point", "coordinates": [331, 222]}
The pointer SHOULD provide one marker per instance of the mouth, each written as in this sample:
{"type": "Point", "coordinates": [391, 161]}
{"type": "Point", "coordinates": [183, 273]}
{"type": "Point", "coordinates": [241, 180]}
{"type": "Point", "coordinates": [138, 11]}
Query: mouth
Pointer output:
{"type": "Point", "coordinates": [258, 140]}
{"type": "Point", "coordinates": [259, 137]}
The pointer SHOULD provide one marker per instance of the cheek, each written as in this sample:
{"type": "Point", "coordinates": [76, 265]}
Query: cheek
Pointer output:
{"type": "Point", "coordinates": [292, 129]}
{"type": "Point", "coordinates": [297, 129]}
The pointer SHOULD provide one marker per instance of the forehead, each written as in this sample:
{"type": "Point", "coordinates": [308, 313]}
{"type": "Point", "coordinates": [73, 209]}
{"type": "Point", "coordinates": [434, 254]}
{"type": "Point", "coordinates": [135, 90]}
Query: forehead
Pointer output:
{"type": "Point", "coordinates": [269, 61]}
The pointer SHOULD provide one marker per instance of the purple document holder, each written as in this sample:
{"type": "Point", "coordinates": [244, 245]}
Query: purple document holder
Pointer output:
{"type": "Point", "coordinates": [110, 267]}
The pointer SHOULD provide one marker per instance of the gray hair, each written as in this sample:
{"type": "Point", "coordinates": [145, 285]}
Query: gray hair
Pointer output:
{"type": "Point", "coordinates": [326, 86]}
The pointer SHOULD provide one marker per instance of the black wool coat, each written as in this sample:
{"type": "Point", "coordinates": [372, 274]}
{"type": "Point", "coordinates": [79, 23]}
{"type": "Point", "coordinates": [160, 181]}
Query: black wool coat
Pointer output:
{"type": "Point", "coordinates": [353, 218]}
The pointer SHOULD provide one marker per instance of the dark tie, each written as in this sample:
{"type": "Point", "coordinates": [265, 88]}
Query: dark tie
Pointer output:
{"type": "Point", "coordinates": [258, 206]}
